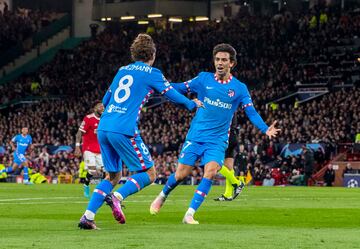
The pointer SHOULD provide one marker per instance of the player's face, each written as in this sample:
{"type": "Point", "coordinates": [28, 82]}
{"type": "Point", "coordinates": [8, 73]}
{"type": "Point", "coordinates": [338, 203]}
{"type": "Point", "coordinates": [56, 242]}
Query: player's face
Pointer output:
{"type": "Point", "coordinates": [222, 63]}
{"type": "Point", "coordinates": [24, 131]}
{"type": "Point", "coordinates": [99, 109]}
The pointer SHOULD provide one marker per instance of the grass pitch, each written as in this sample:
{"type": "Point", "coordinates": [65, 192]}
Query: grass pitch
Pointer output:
{"type": "Point", "coordinates": [46, 216]}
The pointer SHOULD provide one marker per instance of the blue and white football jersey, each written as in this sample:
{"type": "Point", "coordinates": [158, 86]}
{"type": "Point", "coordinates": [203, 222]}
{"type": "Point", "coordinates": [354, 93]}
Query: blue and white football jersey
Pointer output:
{"type": "Point", "coordinates": [131, 88]}
{"type": "Point", "coordinates": [22, 143]}
{"type": "Point", "coordinates": [221, 100]}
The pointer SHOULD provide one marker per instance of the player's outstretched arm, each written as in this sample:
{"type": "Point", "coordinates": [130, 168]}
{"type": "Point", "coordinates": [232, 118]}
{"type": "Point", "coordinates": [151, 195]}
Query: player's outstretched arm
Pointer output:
{"type": "Point", "coordinates": [161, 85]}
{"type": "Point", "coordinates": [180, 87]}
{"type": "Point", "coordinates": [177, 98]}
{"type": "Point", "coordinates": [254, 116]}
{"type": "Point", "coordinates": [272, 131]}
{"type": "Point", "coordinates": [256, 120]}
{"type": "Point", "coordinates": [189, 86]}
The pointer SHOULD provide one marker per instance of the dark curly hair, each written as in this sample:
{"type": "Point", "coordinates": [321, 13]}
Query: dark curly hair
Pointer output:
{"type": "Point", "coordinates": [224, 47]}
{"type": "Point", "coordinates": [143, 48]}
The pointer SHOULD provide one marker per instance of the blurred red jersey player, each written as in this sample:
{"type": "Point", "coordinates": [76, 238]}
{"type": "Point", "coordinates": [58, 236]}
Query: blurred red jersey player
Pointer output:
{"type": "Point", "coordinates": [90, 146]}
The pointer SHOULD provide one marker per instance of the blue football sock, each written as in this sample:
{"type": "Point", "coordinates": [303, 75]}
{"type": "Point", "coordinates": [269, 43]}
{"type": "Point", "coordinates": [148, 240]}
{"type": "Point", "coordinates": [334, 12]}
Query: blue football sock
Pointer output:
{"type": "Point", "coordinates": [170, 184]}
{"type": "Point", "coordinates": [200, 193]}
{"type": "Point", "coordinates": [97, 199]}
{"type": "Point", "coordinates": [134, 184]}
{"type": "Point", "coordinates": [26, 174]}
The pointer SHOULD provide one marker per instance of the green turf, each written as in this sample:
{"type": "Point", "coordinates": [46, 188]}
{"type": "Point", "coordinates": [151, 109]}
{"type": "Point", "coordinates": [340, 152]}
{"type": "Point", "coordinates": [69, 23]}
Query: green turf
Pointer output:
{"type": "Point", "coordinates": [46, 216]}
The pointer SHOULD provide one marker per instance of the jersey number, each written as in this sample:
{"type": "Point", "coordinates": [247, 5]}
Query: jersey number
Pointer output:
{"type": "Point", "coordinates": [145, 150]}
{"type": "Point", "coordinates": [186, 145]}
{"type": "Point", "coordinates": [123, 87]}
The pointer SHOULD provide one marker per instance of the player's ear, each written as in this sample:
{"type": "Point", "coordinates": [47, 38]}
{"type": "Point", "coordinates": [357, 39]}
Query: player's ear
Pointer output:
{"type": "Point", "coordinates": [152, 60]}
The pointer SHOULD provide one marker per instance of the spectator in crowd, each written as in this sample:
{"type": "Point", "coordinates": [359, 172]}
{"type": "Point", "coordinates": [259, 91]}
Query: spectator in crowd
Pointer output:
{"type": "Point", "coordinates": [44, 157]}
{"type": "Point", "coordinates": [16, 26]}
{"type": "Point", "coordinates": [348, 170]}
{"type": "Point", "coordinates": [296, 178]}
{"type": "Point", "coordinates": [329, 176]}
{"type": "Point", "coordinates": [268, 181]}
{"type": "Point", "coordinates": [308, 157]}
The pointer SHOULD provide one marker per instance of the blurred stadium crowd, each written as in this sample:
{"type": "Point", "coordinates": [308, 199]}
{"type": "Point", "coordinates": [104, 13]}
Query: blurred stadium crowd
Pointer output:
{"type": "Point", "coordinates": [275, 55]}
{"type": "Point", "coordinates": [19, 25]}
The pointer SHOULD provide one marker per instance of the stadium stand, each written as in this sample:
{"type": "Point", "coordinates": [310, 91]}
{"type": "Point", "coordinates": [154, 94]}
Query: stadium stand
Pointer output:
{"type": "Point", "coordinates": [18, 25]}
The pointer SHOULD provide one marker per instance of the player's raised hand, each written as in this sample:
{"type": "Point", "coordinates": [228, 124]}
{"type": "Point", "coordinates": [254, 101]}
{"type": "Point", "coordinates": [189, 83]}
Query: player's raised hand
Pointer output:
{"type": "Point", "coordinates": [272, 131]}
{"type": "Point", "coordinates": [198, 103]}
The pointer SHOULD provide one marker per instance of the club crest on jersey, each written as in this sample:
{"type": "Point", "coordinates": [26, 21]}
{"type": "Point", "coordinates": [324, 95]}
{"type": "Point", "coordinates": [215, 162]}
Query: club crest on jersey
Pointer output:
{"type": "Point", "coordinates": [231, 93]}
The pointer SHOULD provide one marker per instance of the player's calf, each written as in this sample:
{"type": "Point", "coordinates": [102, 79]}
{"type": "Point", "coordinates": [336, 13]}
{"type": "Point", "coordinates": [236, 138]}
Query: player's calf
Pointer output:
{"type": "Point", "coordinates": [173, 181]}
{"type": "Point", "coordinates": [201, 192]}
{"type": "Point", "coordinates": [133, 184]}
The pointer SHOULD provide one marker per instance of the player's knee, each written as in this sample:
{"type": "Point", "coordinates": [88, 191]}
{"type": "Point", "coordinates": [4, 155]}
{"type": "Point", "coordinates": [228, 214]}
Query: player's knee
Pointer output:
{"type": "Point", "coordinates": [210, 173]}
{"type": "Point", "coordinates": [180, 175]}
{"type": "Point", "coordinates": [114, 178]}
{"type": "Point", "coordinates": [182, 171]}
{"type": "Point", "coordinates": [152, 174]}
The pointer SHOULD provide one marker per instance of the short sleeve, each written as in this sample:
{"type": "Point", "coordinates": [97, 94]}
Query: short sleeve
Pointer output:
{"type": "Point", "coordinates": [14, 139]}
{"type": "Point", "coordinates": [84, 125]}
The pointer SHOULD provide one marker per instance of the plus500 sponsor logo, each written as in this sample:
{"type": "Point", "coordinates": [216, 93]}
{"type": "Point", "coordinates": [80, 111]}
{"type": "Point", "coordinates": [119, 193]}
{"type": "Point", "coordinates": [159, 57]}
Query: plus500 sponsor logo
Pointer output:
{"type": "Point", "coordinates": [217, 103]}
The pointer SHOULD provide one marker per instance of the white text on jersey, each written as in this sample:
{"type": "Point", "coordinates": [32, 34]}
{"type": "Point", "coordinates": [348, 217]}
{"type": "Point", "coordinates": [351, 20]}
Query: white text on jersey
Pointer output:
{"type": "Point", "coordinates": [217, 103]}
{"type": "Point", "coordinates": [146, 69]}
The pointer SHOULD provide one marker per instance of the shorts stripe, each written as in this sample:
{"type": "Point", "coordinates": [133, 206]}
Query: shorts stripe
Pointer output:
{"type": "Point", "coordinates": [138, 153]}
{"type": "Point", "coordinates": [100, 192]}
{"type": "Point", "coordinates": [135, 182]}
{"type": "Point", "coordinates": [200, 193]}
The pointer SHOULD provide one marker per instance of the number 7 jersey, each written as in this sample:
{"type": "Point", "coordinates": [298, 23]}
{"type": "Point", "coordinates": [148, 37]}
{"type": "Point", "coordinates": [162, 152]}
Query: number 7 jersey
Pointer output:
{"type": "Point", "coordinates": [131, 88]}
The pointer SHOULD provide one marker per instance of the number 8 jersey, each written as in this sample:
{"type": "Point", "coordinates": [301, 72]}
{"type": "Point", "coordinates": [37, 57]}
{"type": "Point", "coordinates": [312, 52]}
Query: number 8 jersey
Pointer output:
{"type": "Point", "coordinates": [131, 88]}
